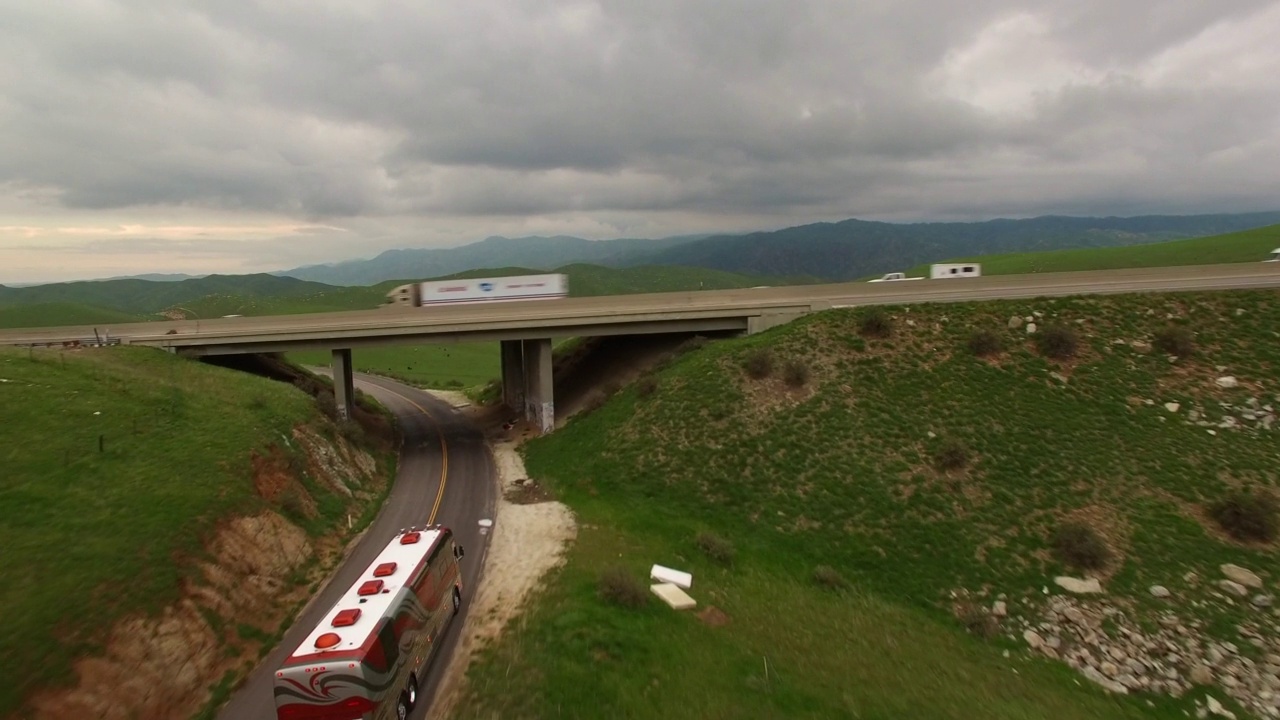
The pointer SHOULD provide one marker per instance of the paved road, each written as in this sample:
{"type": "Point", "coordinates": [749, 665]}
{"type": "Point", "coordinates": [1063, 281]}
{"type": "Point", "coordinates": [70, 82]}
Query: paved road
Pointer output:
{"type": "Point", "coordinates": [674, 305]}
{"type": "Point", "coordinates": [444, 460]}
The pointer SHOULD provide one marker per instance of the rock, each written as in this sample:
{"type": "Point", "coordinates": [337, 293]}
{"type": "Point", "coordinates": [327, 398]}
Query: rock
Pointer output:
{"type": "Point", "coordinates": [1227, 381]}
{"type": "Point", "coordinates": [1031, 328]}
{"type": "Point", "coordinates": [1211, 432]}
{"type": "Point", "coordinates": [1233, 587]}
{"type": "Point", "coordinates": [1262, 601]}
{"type": "Point", "coordinates": [1140, 347]}
{"type": "Point", "coordinates": [1159, 591]}
{"type": "Point", "coordinates": [1201, 675]}
{"type": "Point", "coordinates": [1193, 416]}
{"type": "Point", "coordinates": [1059, 377]}
{"type": "Point", "coordinates": [1172, 406]}
{"type": "Point", "coordinates": [1092, 673]}
{"type": "Point", "coordinates": [1215, 707]}
{"type": "Point", "coordinates": [1078, 586]}
{"type": "Point", "coordinates": [1015, 322]}
{"type": "Point", "coordinates": [1244, 576]}
{"type": "Point", "coordinates": [1074, 615]}
{"type": "Point", "coordinates": [999, 609]}
{"type": "Point", "coordinates": [1029, 318]}
{"type": "Point", "coordinates": [1033, 639]}
{"type": "Point", "coordinates": [1239, 312]}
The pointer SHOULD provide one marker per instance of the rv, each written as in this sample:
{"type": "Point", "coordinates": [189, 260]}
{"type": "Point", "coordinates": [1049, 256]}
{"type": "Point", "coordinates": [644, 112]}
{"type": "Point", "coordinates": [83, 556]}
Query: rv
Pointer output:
{"type": "Point", "coordinates": [954, 270]}
{"type": "Point", "coordinates": [476, 290]}
{"type": "Point", "coordinates": [367, 656]}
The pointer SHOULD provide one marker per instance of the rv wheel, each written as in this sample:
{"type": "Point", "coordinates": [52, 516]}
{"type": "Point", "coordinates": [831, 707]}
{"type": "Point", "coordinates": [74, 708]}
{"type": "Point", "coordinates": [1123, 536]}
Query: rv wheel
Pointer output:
{"type": "Point", "coordinates": [413, 690]}
{"type": "Point", "coordinates": [457, 600]}
{"type": "Point", "coordinates": [402, 707]}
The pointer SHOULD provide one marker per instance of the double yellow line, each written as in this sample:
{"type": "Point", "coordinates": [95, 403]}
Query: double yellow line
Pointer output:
{"type": "Point", "coordinates": [444, 452]}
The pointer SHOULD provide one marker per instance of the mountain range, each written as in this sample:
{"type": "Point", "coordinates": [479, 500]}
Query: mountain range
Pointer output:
{"type": "Point", "coordinates": [838, 251]}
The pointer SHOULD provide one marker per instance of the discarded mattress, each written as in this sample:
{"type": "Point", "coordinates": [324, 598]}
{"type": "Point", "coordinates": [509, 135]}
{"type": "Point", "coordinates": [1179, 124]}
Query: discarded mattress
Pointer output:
{"type": "Point", "coordinates": [668, 575]}
{"type": "Point", "coordinates": [673, 596]}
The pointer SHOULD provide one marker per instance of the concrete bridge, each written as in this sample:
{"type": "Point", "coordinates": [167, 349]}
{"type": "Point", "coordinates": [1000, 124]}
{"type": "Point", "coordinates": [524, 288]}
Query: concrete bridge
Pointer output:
{"type": "Point", "coordinates": [525, 330]}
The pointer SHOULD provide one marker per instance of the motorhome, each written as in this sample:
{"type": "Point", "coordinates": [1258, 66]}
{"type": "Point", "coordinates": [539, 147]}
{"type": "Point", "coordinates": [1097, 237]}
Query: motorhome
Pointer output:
{"type": "Point", "coordinates": [954, 270]}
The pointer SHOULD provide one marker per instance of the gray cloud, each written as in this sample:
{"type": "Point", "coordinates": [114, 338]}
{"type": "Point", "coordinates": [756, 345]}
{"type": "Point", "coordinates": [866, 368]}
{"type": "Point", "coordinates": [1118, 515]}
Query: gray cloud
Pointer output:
{"type": "Point", "coordinates": [658, 114]}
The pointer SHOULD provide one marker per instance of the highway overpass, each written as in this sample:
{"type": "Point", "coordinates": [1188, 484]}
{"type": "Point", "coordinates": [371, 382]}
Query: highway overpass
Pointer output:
{"type": "Point", "coordinates": [526, 329]}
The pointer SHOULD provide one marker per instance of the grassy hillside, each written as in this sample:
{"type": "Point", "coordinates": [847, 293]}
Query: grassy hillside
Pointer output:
{"type": "Point", "coordinates": [60, 313]}
{"type": "Point", "coordinates": [140, 297]}
{"type": "Point", "coordinates": [852, 502]}
{"type": "Point", "coordinates": [1241, 247]}
{"type": "Point", "coordinates": [117, 463]}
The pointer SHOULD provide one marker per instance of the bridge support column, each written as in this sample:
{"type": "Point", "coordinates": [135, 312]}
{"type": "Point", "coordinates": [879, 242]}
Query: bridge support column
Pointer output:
{"type": "Point", "coordinates": [344, 388]}
{"type": "Point", "coordinates": [539, 402]}
{"type": "Point", "coordinates": [513, 374]}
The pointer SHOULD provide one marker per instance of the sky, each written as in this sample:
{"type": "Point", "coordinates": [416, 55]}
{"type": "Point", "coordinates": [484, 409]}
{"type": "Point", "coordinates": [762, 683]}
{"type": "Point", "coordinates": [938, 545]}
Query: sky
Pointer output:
{"type": "Point", "coordinates": [233, 137]}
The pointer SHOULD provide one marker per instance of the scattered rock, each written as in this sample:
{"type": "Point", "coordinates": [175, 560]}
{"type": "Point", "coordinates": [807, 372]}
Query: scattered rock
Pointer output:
{"type": "Point", "coordinates": [1172, 407]}
{"type": "Point", "coordinates": [1233, 587]}
{"type": "Point", "coordinates": [1140, 347]}
{"type": "Point", "coordinates": [1059, 377]}
{"type": "Point", "coordinates": [1078, 586]}
{"type": "Point", "coordinates": [1031, 328]}
{"type": "Point", "coordinates": [1227, 381]}
{"type": "Point", "coordinates": [1244, 576]}
{"type": "Point", "coordinates": [1201, 675]}
{"type": "Point", "coordinates": [1015, 322]}
{"type": "Point", "coordinates": [1262, 601]}
{"type": "Point", "coordinates": [999, 609]}
{"type": "Point", "coordinates": [1215, 707]}
{"type": "Point", "coordinates": [1033, 639]}
{"type": "Point", "coordinates": [1159, 591]}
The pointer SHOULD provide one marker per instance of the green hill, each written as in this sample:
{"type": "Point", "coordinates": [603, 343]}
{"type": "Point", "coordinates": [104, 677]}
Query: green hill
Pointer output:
{"type": "Point", "coordinates": [60, 313]}
{"type": "Point", "coordinates": [1241, 247]}
{"type": "Point", "coordinates": [144, 297]}
{"type": "Point", "coordinates": [854, 491]}
{"type": "Point", "coordinates": [119, 465]}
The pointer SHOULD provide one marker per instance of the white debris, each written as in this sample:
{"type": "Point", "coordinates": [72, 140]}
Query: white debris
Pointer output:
{"type": "Point", "coordinates": [668, 575]}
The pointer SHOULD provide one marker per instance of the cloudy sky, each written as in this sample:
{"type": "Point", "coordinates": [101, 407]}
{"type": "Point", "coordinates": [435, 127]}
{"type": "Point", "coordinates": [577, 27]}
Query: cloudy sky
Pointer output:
{"type": "Point", "coordinates": [235, 136]}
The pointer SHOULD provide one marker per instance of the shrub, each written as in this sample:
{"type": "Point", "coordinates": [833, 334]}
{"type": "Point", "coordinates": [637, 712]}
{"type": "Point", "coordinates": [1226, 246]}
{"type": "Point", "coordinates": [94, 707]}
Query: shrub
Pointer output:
{"type": "Point", "coordinates": [694, 343]}
{"type": "Point", "coordinates": [1080, 546]}
{"type": "Point", "coordinates": [1248, 515]}
{"type": "Point", "coordinates": [646, 386]}
{"type": "Point", "coordinates": [953, 455]}
{"type": "Point", "coordinates": [715, 547]}
{"type": "Point", "coordinates": [985, 342]}
{"type": "Point", "coordinates": [978, 621]}
{"type": "Point", "coordinates": [828, 577]}
{"type": "Point", "coordinates": [1175, 340]}
{"type": "Point", "coordinates": [759, 363]}
{"type": "Point", "coordinates": [618, 586]}
{"type": "Point", "coordinates": [1058, 342]}
{"type": "Point", "coordinates": [876, 322]}
{"type": "Point", "coordinates": [796, 373]}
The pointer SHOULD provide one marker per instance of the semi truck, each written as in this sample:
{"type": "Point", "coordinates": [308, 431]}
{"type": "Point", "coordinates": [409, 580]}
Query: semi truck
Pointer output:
{"type": "Point", "coordinates": [477, 290]}
{"type": "Point", "coordinates": [367, 656]}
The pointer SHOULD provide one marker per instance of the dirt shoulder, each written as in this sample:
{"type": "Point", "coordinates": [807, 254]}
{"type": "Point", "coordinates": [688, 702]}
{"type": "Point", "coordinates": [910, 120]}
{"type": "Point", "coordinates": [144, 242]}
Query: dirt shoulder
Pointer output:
{"type": "Point", "coordinates": [530, 535]}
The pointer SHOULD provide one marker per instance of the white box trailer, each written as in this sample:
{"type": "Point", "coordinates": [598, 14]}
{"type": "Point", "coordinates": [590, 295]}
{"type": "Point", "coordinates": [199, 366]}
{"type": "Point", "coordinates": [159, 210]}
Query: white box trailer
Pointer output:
{"type": "Point", "coordinates": [954, 270]}
{"type": "Point", "coordinates": [477, 290]}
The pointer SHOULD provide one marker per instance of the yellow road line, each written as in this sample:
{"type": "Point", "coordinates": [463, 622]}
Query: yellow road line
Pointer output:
{"type": "Point", "coordinates": [444, 451]}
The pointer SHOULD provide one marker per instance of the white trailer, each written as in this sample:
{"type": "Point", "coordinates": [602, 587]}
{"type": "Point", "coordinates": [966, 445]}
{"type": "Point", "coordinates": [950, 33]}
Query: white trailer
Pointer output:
{"type": "Point", "coordinates": [1275, 256]}
{"type": "Point", "coordinates": [954, 270]}
{"type": "Point", "coordinates": [477, 290]}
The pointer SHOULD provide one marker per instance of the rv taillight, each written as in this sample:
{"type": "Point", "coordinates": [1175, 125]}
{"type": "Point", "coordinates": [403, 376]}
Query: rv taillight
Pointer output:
{"type": "Point", "coordinates": [370, 587]}
{"type": "Point", "coordinates": [327, 640]}
{"type": "Point", "coordinates": [410, 538]}
{"type": "Point", "coordinates": [384, 569]}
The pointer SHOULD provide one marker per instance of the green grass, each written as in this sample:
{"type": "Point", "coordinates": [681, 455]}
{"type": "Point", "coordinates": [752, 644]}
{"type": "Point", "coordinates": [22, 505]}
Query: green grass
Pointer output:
{"type": "Point", "coordinates": [91, 534]}
{"type": "Point", "coordinates": [453, 366]}
{"type": "Point", "coordinates": [1241, 247]}
{"type": "Point", "coordinates": [60, 313]}
{"type": "Point", "coordinates": [842, 473]}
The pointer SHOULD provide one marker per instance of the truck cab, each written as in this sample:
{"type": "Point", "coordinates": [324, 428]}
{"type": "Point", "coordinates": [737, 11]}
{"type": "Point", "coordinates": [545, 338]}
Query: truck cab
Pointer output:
{"type": "Point", "coordinates": [1275, 256]}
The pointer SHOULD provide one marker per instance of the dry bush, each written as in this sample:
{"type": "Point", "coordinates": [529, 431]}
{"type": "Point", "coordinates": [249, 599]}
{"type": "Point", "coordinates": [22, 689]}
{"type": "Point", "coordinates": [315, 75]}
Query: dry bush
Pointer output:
{"type": "Point", "coordinates": [1248, 516]}
{"type": "Point", "coordinates": [1058, 342]}
{"type": "Point", "coordinates": [875, 322]}
{"type": "Point", "coordinates": [828, 577]}
{"type": "Point", "coordinates": [1175, 340]}
{"type": "Point", "coordinates": [984, 343]}
{"type": "Point", "coordinates": [715, 547]}
{"type": "Point", "coordinates": [795, 373]}
{"type": "Point", "coordinates": [1080, 546]}
{"type": "Point", "coordinates": [952, 455]}
{"type": "Point", "coordinates": [759, 363]}
{"type": "Point", "coordinates": [619, 586]}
